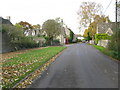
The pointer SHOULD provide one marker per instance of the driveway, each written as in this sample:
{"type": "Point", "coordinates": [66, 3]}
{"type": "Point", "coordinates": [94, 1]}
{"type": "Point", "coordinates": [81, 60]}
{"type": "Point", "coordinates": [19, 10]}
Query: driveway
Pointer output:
{"type": "Point", "coordinates": [80, 66]}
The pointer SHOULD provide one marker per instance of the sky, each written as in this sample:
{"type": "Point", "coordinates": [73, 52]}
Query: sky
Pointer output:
{"type": "Point", "coordinates": [38, 11]}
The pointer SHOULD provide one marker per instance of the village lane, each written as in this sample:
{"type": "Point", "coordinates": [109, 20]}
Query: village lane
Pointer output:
{"type": "Point", "coordinates": [80, 66]}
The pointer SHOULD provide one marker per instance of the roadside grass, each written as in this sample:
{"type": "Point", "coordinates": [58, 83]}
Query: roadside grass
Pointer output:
{"type": "Point", "coordinates": [16, 68]}
{"type": "Point", "coordinates": [106, 51]}
{"type": "Point", "coordinates": [99, 47]}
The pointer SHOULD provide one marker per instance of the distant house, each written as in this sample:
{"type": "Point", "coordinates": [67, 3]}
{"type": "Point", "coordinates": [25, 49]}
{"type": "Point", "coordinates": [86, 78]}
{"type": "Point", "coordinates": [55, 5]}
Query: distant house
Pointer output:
{"type": "Point", "coordinates": [62, 36]}
{"type": "Point", "coordinates": [65, 34]}
{"type": "Point", "coordinates": [78, 36]}
{"type": "Point", "coordinates": [109, 28]}
{"type": "Point", "coordinates": [36, 34]}
{"type": "Point", "coordinates": [39, 40]}
{"type": "Point", "coordinates": [32, 32]}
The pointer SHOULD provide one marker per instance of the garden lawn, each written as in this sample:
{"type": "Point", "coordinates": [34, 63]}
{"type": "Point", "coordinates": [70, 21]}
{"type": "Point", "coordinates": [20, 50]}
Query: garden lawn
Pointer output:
{"type": "Point", "coordinates": [16, 68]}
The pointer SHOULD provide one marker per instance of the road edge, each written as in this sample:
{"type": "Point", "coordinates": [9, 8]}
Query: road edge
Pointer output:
{"type": "Point", "coordinates": [38, 72]}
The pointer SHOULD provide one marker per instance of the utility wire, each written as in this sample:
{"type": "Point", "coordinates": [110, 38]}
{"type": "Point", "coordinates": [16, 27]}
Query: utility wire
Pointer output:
{"type": "Point", "coordinates": [108, 6]}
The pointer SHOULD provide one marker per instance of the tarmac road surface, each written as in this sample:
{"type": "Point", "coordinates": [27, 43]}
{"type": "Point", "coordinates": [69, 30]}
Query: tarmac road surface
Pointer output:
{"type": "Point", "coordinates": [80, 66]}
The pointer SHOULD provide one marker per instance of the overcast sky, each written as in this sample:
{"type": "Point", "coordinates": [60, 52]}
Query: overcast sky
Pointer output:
{"type": "Point", "coordinates": [38, 11]}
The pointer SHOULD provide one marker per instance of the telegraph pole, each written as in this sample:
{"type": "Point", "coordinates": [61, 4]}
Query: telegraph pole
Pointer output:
{"type": "Point", "coordinates": [116, 12]}
{"type": "Point", "coordinates": [116, 26]}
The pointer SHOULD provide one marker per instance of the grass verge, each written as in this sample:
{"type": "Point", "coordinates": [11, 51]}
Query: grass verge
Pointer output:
{"type": "Point", "coordinates": [107, 52]}
{"type": "Point", "coordinates": [16, 68]}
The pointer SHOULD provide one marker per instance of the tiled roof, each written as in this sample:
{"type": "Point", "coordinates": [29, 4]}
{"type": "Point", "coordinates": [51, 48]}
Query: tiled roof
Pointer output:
{"type": "Point", "coordinates": [5, 21]}
{"type": "Point", "coordinates": [103, 27]}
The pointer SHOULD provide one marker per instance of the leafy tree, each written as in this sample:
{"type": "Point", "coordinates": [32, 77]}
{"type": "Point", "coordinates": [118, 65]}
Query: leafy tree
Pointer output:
{"type": "Point", "coordinates": [16, 37]}
{"type": "Point", "coordinates": [89, 37]}
{"type": "Point", "coordinates": [25, 25]}
{"type": "Point", "coordinates": [114, 44]}
{"type": "Point", "coordinates": [52, 29]}
{"type": "Point", "coordinates": [93, 26]}
{"type": "Point", "coordinates": [88, 11]}
{"type": "Point", "coordinates": [18, 26]}
{"type": "Point", "coordinates": [85, 33]}
{"type": "Point", "coordinates": [70, 38]}
{"type": "Point", "coordinates": [12, 31]}
{"type": "Point", "coordinates": [37, 27]}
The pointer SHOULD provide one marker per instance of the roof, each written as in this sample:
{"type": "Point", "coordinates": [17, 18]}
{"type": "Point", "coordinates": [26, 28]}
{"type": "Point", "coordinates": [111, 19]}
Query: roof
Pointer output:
{"type": "Point", "coordinates": [103, 27]}
{"type": "Point", "coordinates": [5, 21]}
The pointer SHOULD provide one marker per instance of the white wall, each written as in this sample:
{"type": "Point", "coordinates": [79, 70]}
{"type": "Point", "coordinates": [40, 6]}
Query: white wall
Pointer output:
{"type": "Point", "coordinates": [103, 43]}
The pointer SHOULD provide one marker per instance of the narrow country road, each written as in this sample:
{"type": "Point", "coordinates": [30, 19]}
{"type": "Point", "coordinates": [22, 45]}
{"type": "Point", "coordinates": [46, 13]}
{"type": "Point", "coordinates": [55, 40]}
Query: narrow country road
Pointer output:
{"type": "Point", "coordinates": [80, 66]}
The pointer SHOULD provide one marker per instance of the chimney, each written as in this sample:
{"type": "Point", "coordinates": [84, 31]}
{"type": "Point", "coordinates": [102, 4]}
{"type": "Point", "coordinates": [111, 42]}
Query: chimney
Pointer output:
{"type": "Point", "coordinates": [8, 18]}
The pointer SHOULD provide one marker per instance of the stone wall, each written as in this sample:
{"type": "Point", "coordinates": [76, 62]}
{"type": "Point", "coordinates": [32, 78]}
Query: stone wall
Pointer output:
{"type": "Point", "coordinates": [103, 43]}
{"type": "Point", "coordinates": [5, 44]}
{"type": "Point", "coordinates": [92, 42]}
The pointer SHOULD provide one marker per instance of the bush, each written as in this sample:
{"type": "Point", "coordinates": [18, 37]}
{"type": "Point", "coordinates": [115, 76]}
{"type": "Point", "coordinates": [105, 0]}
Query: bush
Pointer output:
{"type": "Point", "coordinates": [102, 36]}
{"type": "Point", "coordinates": [114, 44]}
{"type": "Point", "coordinates": [56, 42]}
{"type": "Point", "coordinates": [17, 39]}
{"type": "Point", "coordinates": [79, 40]}
{"type": "Point", "coordinates": [24, 42]}
{"type": "Point", "coordinates": [69, 40]}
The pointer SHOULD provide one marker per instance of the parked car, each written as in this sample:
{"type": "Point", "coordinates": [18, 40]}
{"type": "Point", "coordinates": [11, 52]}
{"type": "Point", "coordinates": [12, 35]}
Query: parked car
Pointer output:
{"type": "Point", "coordinates": [83, 41]}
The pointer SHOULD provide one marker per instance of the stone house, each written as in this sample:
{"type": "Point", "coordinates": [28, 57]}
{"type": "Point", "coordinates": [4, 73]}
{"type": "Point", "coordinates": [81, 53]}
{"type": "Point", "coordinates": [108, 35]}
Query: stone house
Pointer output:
{"type": "Point", "coordinates": [4, 38]}
{"type": "Point", "coordinates": [108, 28]}
{"type": "Point", "coordinates": [65, 34]}
{"type": "Point", "coordinates": [78, 36]}
{"type": "Point", "coordinates": [36, 35]}
{"type": "Point", "coordinates": [33, 32]}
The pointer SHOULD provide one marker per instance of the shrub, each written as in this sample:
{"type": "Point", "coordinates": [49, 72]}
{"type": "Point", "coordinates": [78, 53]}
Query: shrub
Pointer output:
{"type": "Point", "coordinates": [71, 35]}
{"type": "Point", "coordinates": [79, 40]}
{"type": "Point", "coordinates": [102, 36]}
{"type": "Point", "coordinates": [69, 40]}
{"type": "Point", "coordinates": [56, 42]}
{"type": "Point", "coordinates": [114, 44]}
{"type": "Point", "coordinates": [17, 39]}
{"type": "Point", "coordinates": [24, 42]}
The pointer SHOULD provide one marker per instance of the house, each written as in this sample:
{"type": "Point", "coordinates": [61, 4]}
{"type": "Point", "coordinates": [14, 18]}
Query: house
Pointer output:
{"type": "Point", "coordinates": [78, 36]}
{"type": "Point", "coordinates": [4, 38]}
{"type": "Point", "coordinates": [62, 36]}
{"type": "Point", "coordinates": [108, 28]}
{"type": "Point", "coordinates": [65, 34]}
{"type": "Point", "coordinates": [33, 32]}
{"type": "Point", "coordinates": [36, 34]}
{"type": "Point", "coordinates": [39, 40]}
{"type": "Point", "coordinates": [5, 21]}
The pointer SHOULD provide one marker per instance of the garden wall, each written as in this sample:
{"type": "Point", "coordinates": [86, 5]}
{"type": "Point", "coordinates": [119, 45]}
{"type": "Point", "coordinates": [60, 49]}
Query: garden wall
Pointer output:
{"type": "Point", "coordinates": [103, 43]}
